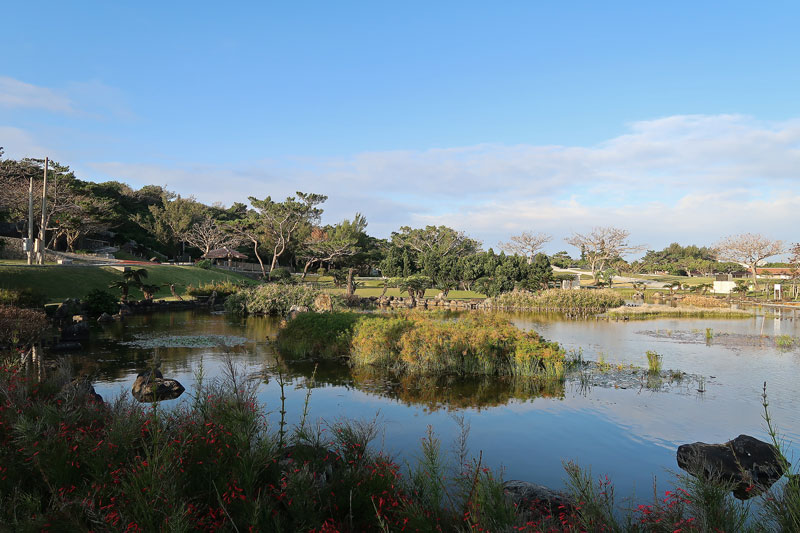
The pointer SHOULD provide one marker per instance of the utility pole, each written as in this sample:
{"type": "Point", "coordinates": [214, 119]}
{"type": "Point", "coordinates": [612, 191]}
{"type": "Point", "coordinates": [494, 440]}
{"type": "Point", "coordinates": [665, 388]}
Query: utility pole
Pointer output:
{"type": "Point", "coordinates": [43, 227]}
{"type": "Point", "coordinates": [29, 248]}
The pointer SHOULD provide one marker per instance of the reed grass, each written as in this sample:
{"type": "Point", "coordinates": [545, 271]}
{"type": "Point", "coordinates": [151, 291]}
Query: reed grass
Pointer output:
{"type": "Point", "coordinates": [560, 300]}
{"type": "Point", "coordinates": [646, 311]}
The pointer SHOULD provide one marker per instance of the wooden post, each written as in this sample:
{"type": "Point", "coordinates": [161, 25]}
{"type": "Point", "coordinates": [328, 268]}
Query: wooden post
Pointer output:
{"type": "Point", "coordinates": [43, 227]}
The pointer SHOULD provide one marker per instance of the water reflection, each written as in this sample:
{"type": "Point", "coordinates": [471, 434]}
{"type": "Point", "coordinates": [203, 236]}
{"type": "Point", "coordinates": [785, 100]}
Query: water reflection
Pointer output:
{"type": "Point", "coordinates": [525, 426]}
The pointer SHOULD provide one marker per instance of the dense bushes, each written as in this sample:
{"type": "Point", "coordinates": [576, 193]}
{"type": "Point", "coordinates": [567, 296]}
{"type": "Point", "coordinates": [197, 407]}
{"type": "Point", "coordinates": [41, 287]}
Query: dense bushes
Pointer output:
{"type": "Point", "coordinates": [271, 299]}
{"type": "Point", "coordinates": [563, 300]}
{"type": "Point", "coordinates": [424, 343]}
{"type": "Point", "coordinates": [21, 327]}
{"type": "Point", "coordinates": [317, 335]}
{"type": "Point", "coordinates": [27, 298]}
{"type": "Point", "coordinates": [99, 301]}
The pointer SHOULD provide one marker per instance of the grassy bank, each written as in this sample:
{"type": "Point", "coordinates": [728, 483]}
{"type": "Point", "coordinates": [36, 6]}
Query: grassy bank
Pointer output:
{"type": "Point", "coordinates": [59, 282]}
{"type": "Point", "coordinates": [423, 343]}
{"type": "Point", "coordinates": [646, 311]}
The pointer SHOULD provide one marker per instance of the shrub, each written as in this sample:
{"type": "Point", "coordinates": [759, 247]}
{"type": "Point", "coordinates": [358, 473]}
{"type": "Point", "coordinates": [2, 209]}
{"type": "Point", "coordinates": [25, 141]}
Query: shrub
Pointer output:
{"type": "Point", "coordinates": [21, 327]}
{"type": "Point", "coordinates": [222, 288]}
{"type": "Point", "coordinates": [317, 335]}
{"type": "Point", "coordinates": [654, 360]}
{"type": "Point", "coordinates": [205, 264]}
{"type": "Point", "coordinates": [280, 274]}
{"type": "Point", "coordinates": [271, 299]}
{"type": "Point", "coordinates": [99, 301]}
{"type": "Point", "coordinates": [27, 298]}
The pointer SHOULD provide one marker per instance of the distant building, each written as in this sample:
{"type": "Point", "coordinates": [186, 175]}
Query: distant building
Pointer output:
{"type": "Point", "coordinates": [775, 273]}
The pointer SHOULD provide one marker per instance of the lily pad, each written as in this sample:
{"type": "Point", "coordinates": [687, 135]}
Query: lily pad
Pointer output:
{"type": "Point", "coordinates": [185, 341]}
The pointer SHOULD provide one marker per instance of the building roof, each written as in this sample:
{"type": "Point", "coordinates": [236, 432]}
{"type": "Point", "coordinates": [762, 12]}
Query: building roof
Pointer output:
{"type": "Point", "coordinates": [224, 253]}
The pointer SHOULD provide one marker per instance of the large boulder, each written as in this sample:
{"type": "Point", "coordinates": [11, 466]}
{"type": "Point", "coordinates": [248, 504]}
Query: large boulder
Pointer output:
{"type": "Point", "coordinates": [748, 464]}
{"type": "Point", "coordinates": [77, 331]}
{"type": "Point", "coordinates": [81, 387]}
{"type": "Point", "coordinates": [150, 386]}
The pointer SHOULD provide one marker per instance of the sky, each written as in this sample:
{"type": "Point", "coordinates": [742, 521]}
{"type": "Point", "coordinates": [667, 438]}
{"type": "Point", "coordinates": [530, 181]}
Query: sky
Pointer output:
{"type": "Point", "coordinates": [679, 121]}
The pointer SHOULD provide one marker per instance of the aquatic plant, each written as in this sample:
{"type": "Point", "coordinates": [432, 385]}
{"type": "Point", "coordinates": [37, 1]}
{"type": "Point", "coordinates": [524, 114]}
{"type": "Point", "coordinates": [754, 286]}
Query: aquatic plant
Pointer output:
{"type": "Point", "coordinates": [654, 361]}
{"type": "Point", "coordinates": [709, 334]}
{"type": "Point", "coordinates": [786, 342]}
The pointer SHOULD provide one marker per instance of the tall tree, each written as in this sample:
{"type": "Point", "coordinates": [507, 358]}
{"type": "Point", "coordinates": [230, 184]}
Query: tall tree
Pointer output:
{"type": "Point", "coordinates": [601, 245]}
{"type": "Point", "coordinates": [333, 242]}
{"type": "Point", "coordinates": [438, 239]}
{"type": "Point", "coordinates": [170, 221]}
{"type": "Point", "coordinates": [749, 249]}
{"type": "Point", "coordinates": [526, 244]}
{"type": "Point", "coordinates": [282, 220]}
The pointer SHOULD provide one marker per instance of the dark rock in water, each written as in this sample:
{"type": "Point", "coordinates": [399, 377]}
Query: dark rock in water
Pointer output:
{"type": "Point", "coordinates": [150, 386]}
{"type": "Point", "coordinates": [748, 464]}
{"type": "Point", "coordinates": [75, 332]}
{"type": "Point", "coordinates": [105, 317]}
{"type": "Point", "coordinates": [68, 308]}
{"type": "Point", "coordinates": [532, 500]}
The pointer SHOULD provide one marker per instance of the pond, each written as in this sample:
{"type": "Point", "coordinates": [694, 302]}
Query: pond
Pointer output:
{"type": "Point", "coordinates": [629, 433]}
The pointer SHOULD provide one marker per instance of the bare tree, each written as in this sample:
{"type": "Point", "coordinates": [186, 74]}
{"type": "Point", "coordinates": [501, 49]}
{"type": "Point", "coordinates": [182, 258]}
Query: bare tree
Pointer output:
{"type": "Point", "coordinates": [526, 244]}
{"type": "Point", "coordinates": [207, 234]}
{"type": "Point", "coordinates": [748, 249]}
{"type": "Point", "coordinates": [603, 244]}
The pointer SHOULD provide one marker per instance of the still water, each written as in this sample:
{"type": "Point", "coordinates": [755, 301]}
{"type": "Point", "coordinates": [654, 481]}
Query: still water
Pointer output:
{"type": "Point", "coordinates": [630, 434]}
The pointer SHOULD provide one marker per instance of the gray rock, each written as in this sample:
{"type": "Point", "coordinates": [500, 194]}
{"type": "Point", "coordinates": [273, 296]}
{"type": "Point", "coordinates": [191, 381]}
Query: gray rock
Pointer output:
{"type": "Point", "coordinates": [151, 386]}
{"type": "Point", "coordinates": [83, 387]}
{"type": "Point", "coordinates": [748, 464]}
{"type": "Point", "coordinates": [105, 317]}
{"type": "Point", "coordinates": [531, 499]}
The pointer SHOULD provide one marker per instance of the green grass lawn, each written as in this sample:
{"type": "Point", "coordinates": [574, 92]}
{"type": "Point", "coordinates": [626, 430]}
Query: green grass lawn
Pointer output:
{"type": "Point", "coordinates": [61, 282]}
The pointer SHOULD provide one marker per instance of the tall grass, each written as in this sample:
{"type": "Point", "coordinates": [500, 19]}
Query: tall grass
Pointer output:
{"type": "Point", "coordinates": [561, 300]}
{"type": "Point", "coordinates": [271, 299]}
{"type": "Point", "coordinates": [425, 343]}
{"type": "Point", "coordinates": [654, 361]}
{"type": "Point", "coordinates": [214, 464]}
{"type": "Point", "coordinates": [655, 311]}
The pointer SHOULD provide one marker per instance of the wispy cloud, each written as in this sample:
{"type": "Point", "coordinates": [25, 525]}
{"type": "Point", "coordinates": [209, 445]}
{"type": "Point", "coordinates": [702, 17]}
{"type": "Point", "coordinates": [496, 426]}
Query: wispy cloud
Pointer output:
{"type": "Point", "coordinates": [18, 94]}
{"type": "Point", "coordinates": [691, 178]}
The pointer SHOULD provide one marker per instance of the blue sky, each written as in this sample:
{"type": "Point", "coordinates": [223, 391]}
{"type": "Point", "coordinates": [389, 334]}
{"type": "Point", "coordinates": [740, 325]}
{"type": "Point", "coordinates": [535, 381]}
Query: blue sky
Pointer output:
{"type": "Point", "coordinates": [680, 120]}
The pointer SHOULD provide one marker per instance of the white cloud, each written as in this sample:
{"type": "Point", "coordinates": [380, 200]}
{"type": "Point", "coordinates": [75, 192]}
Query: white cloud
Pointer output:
{"type": "Point", "coordinates": [15, 93]}
{"type": "Point", "coordinates": [691, 179]}
{"type": "Point", "coordinates": [18, 143]}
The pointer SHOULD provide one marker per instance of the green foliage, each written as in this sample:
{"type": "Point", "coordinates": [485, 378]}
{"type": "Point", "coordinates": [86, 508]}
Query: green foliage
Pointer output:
{"type": "Point", "coordinates": [27, 298]}
{"type": "Point", "coordinates": [271, 299]}
{"type": "Point", "coordinates": [317, 335]}
{"type": "Point", "coordinates": [205, 264]}
{"type": "Point", "coordinates": [280, 275]}
{"type": "Point", "coordinates": [222, 288]}
{"type": "Point", "coordinates": [99, 301]}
